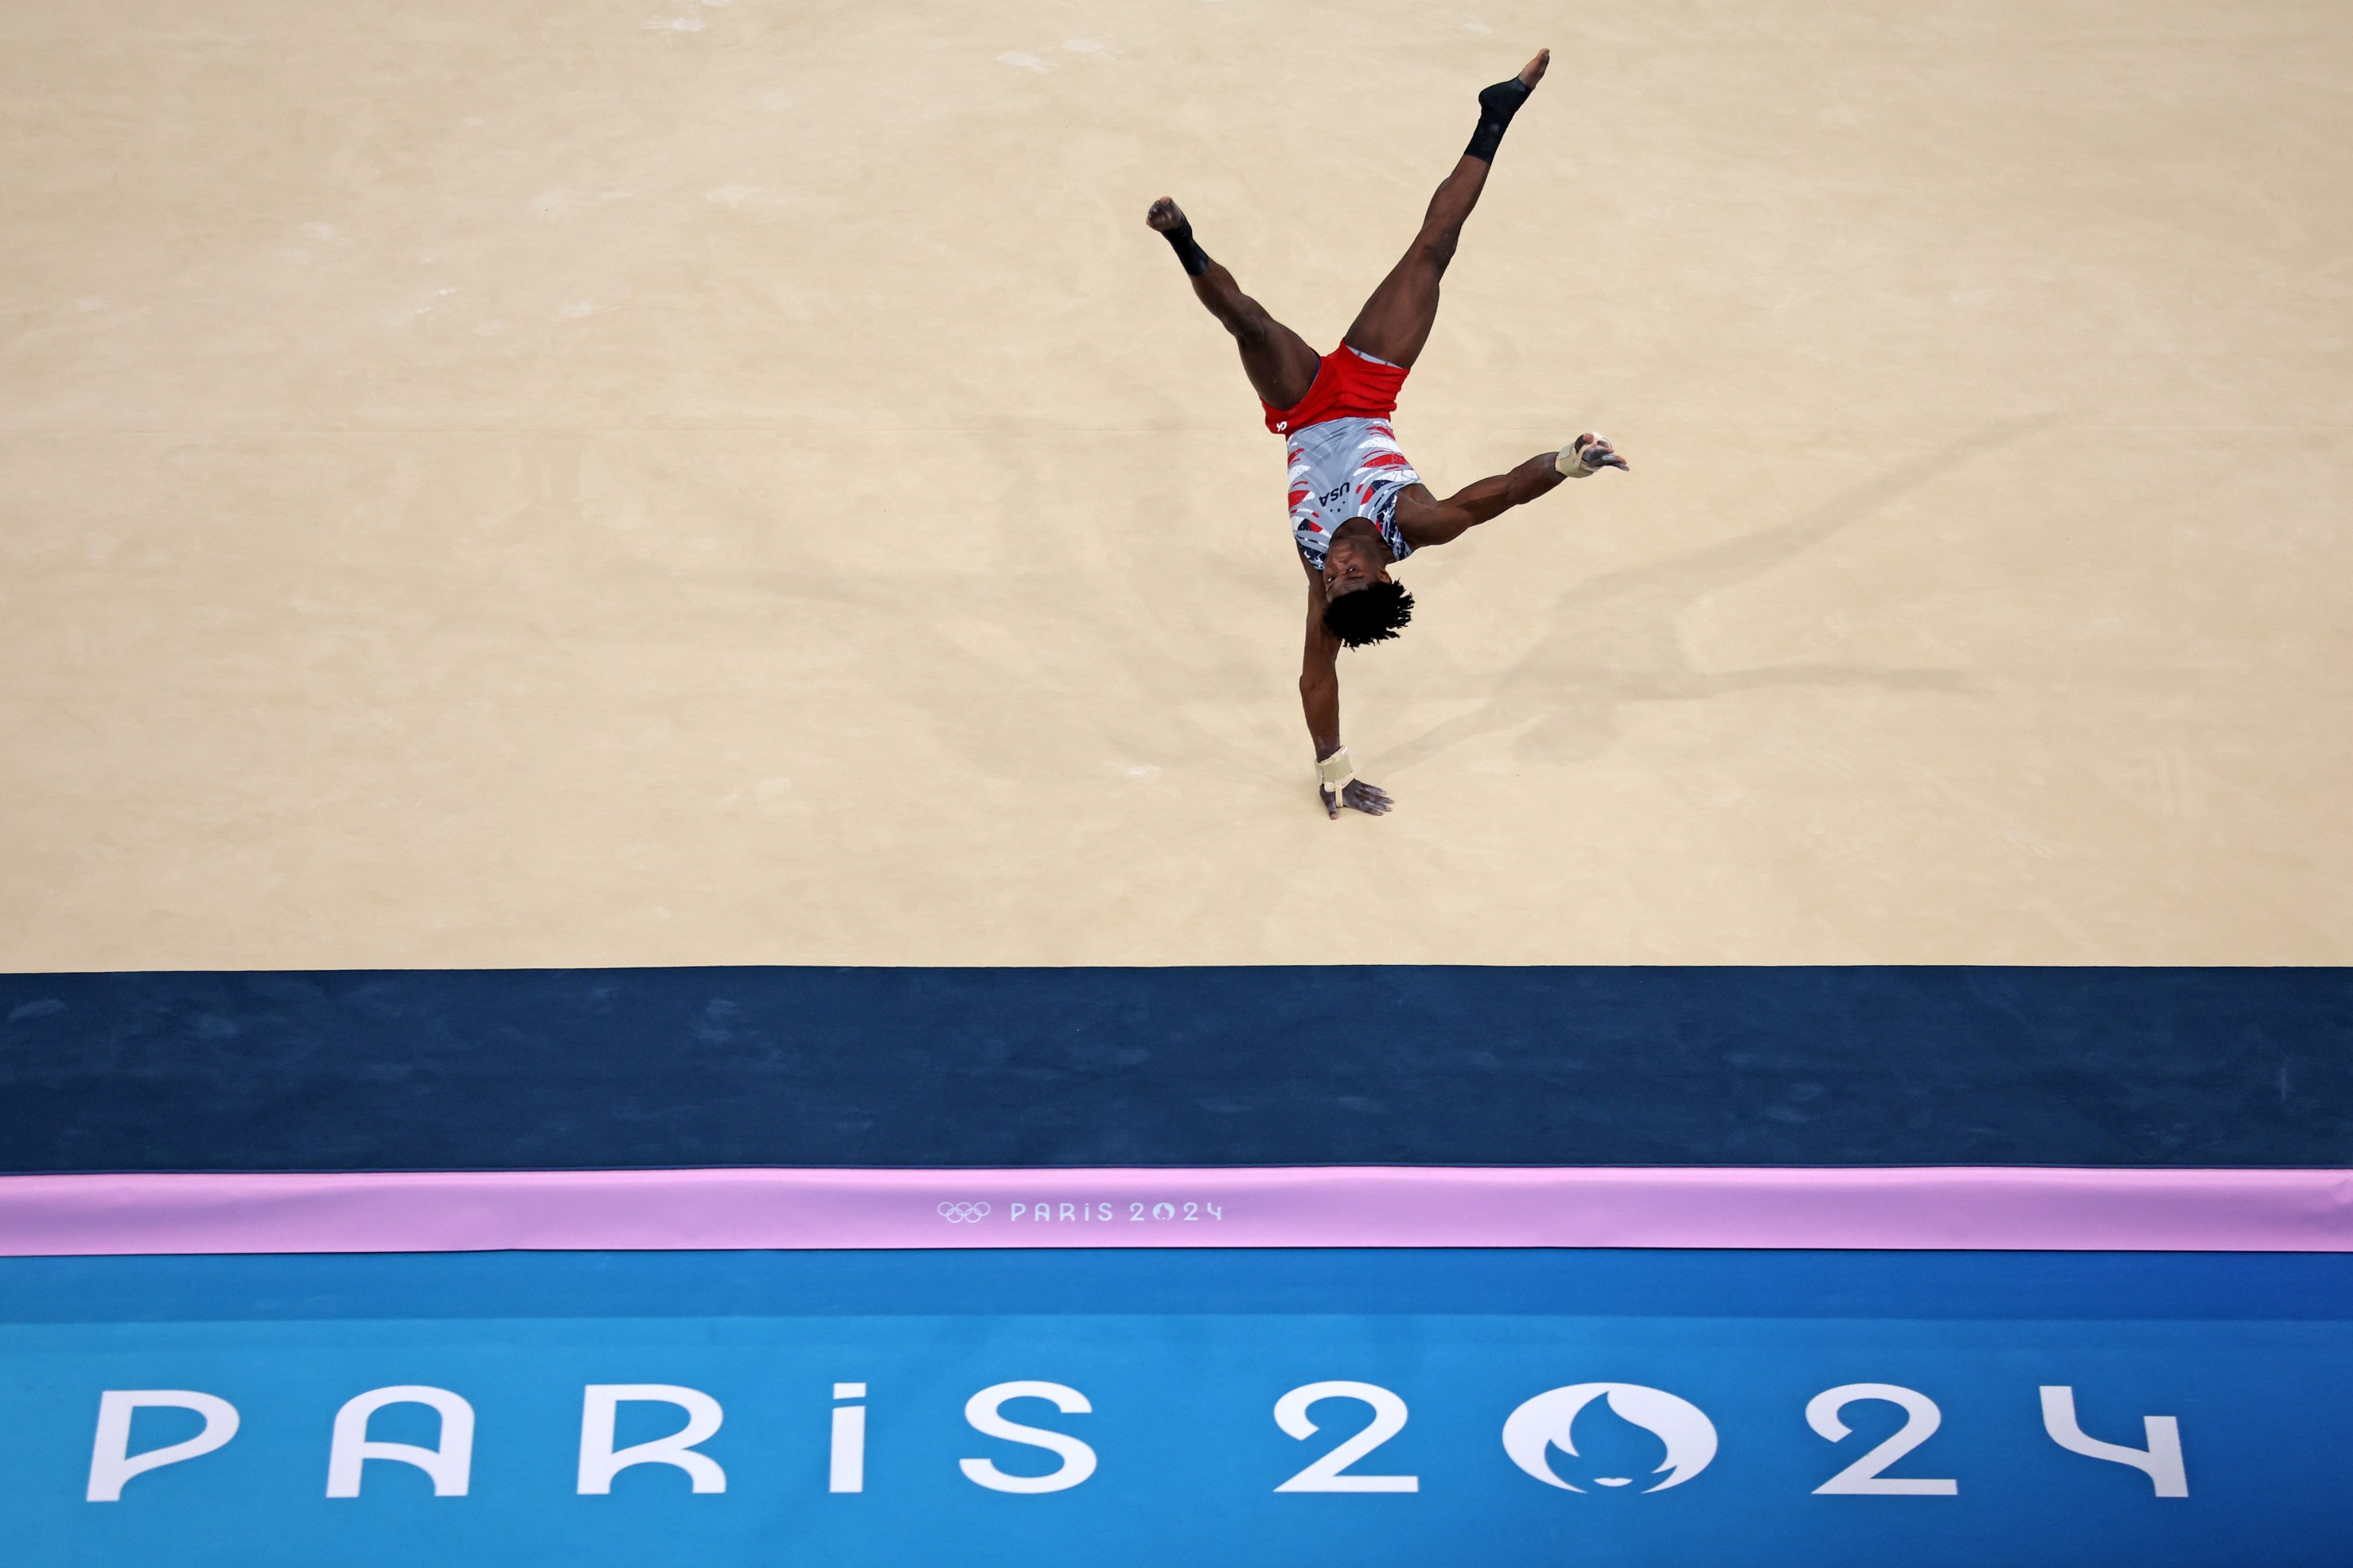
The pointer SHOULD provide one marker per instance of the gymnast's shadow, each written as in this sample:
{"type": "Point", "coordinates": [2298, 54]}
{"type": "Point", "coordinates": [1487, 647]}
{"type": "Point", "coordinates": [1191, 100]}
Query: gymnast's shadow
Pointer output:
{"type": "Point", "coordinates": [1613, 638]}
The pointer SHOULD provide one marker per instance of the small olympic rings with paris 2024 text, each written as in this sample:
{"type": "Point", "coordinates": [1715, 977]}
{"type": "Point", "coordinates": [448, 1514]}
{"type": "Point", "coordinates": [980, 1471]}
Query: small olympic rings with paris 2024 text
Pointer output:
{"type": "Point", "coordinates": [964, 1214]}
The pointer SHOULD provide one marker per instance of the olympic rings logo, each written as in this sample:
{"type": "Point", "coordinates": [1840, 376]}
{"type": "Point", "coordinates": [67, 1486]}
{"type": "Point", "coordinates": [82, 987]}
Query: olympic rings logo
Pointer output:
{"type": "Point", "coordinates": [964, 1214]}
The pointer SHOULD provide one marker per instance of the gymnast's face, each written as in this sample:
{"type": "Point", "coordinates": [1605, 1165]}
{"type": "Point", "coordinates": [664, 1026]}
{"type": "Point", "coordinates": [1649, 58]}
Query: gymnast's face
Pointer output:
{"type": "Point", "coordinates": [1354, 562]}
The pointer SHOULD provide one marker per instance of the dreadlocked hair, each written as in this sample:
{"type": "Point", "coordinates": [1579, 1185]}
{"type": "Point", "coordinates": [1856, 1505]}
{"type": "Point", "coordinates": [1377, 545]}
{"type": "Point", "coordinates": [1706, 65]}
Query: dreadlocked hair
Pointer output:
{"type": "Point", "coordinates": [1369, 614]}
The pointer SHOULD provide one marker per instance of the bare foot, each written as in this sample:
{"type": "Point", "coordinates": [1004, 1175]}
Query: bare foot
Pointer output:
{"type": "Point", "coordinates": [1164, 216]}
{"type": "Point", "coordinates": [1501, 102]}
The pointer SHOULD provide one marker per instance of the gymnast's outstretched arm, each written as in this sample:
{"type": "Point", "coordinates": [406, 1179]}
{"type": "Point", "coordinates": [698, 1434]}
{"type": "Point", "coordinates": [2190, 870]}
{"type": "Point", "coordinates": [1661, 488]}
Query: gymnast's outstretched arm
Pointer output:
{"type": "Point", "coordinates": [1425, 523]}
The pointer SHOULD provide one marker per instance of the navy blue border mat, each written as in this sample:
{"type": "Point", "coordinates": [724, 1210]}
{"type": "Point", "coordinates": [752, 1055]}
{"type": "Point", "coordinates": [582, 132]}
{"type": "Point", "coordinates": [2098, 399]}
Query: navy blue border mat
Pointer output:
{"type": "Point", "coordinates": [492, 1069]}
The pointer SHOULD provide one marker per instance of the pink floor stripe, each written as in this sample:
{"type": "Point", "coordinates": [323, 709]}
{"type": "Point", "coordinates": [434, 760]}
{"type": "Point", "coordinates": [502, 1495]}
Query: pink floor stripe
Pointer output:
{"type": "Point", "coordinates": [1980, 1208]}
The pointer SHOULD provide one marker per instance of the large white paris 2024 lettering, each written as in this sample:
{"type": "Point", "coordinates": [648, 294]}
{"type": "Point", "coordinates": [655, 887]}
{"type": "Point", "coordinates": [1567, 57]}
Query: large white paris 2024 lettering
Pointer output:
{"type": "Point", "coordinates": [1532, 1431]}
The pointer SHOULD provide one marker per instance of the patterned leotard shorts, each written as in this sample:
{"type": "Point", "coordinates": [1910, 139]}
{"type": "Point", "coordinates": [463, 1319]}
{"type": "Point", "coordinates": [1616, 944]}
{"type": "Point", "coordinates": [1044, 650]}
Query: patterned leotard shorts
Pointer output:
{"type": "Point", "coordinates": [1345, 461]}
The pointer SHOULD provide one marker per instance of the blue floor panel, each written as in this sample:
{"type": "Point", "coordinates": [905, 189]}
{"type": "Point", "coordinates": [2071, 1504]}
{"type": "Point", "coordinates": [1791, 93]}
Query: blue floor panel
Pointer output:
{"type": "Point", "coordinates": [1180, 1359]}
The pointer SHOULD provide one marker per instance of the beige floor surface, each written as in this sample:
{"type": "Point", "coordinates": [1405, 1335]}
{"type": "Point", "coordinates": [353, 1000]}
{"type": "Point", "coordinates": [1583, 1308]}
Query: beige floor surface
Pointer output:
{"type": "Point", "coordinates": [518, 482]}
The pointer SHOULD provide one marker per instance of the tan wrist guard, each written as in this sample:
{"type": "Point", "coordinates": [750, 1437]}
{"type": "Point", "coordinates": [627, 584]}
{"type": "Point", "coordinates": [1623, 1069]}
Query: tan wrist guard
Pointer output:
{"type": "Point", "coordinates": [1336, 773]}
{"type": "Point", "coordinates": [1568, 460]}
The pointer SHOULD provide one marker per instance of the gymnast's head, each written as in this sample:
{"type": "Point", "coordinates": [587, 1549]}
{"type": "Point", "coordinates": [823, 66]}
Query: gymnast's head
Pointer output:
{"type": "Point", "coordinates": [1363, 604]}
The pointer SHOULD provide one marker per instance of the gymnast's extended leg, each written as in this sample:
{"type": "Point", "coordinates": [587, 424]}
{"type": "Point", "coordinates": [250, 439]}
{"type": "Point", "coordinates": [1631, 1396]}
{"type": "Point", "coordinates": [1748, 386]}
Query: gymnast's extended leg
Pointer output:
{"type": "Point", "coordinates": [1395, 323]}
{"type": "Point", "coordinates": [1280, 365]}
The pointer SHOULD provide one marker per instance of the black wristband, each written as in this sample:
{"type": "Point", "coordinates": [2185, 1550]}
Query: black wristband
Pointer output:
{"type": "Point", "coordinates": [1181, 240]}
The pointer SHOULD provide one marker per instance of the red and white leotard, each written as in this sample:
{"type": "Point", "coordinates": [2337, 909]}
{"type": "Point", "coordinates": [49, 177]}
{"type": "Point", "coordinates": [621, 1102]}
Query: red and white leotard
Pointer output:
{"type": "Point", "coordinates": [1345, 460]}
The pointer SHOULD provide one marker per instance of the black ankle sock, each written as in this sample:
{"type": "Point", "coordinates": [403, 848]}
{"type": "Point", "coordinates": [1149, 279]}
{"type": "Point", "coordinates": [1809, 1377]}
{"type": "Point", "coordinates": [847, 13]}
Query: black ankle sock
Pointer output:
{"type": "Point", "coordinates": [1181, 240]}
{"type": "Point", "coordinates": [1496, 107]}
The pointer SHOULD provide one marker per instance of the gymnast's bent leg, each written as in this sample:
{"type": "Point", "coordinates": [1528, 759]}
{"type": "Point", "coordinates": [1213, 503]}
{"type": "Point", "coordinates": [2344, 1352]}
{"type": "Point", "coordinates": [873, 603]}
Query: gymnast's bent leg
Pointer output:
{"type": "Point", "coordinates": [1280, 365]}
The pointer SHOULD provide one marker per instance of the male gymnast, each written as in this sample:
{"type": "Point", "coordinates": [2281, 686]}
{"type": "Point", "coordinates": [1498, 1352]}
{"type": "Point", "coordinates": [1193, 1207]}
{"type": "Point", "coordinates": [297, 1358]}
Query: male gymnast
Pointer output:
{"type": "Point", "coordinates": [1356, 505]}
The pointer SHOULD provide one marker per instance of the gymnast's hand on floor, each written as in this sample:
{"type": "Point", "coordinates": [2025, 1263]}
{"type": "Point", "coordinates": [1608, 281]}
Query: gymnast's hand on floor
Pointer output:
{"type": "Point", "coordinates": [1358, 795]}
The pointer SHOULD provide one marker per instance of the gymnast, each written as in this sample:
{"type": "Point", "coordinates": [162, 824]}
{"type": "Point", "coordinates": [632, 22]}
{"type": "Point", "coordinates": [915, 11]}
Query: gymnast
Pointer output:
{"type": "Point", "coordinates": [1356, 506]}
